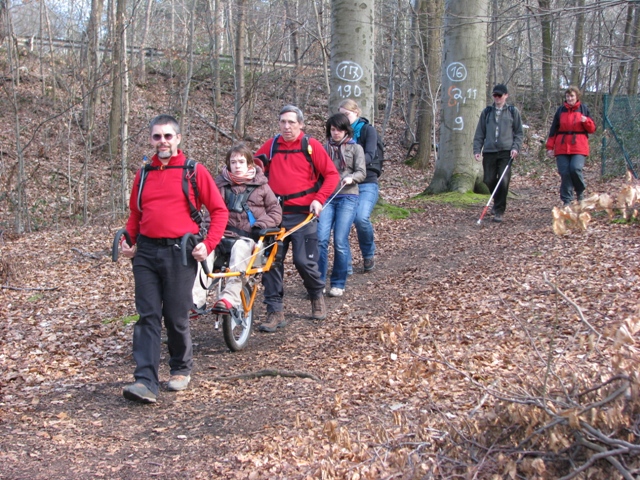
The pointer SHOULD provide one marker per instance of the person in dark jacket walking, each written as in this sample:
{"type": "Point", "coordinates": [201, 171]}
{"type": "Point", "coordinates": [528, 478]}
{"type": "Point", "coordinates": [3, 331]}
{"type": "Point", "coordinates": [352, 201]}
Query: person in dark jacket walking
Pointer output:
{"type": "Point", "coordinates": [498, 139]}
{"type": "Point", "coordinates": [569, 142]}
{"type": "Point", "coordinates": [366, 136]}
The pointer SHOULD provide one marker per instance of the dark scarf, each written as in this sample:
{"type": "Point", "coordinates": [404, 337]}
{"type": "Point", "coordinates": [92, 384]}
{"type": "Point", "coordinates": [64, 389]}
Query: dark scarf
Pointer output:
{"type": "Point", "coordinates": [239, 179]}
{"type": "Point", "coordinates": [336, 151]}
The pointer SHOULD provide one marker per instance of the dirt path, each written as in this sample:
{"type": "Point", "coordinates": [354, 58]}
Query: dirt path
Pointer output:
{"type": "Point", "coordinates": [439, 279]}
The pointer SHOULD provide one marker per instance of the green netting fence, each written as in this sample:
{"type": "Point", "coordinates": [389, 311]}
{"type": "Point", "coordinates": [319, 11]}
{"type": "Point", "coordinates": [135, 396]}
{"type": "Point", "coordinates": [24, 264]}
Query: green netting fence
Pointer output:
{"type": "Point", "coordinates": [621, 139]}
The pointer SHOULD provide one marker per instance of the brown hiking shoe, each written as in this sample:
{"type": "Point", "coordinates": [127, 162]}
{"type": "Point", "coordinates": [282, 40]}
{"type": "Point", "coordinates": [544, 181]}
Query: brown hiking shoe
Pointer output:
{"type": "Point", "coordinates": [275, 320]}
{"type": "Point", "coordinates": [318, 308]}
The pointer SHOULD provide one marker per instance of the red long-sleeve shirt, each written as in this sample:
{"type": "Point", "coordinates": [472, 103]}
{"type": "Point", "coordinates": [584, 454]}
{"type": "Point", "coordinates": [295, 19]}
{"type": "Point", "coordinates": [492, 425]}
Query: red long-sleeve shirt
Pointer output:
{"type": "Point", "coordinates": [291, 172]}
{"type": "Point", "coordinates": [164, 209]}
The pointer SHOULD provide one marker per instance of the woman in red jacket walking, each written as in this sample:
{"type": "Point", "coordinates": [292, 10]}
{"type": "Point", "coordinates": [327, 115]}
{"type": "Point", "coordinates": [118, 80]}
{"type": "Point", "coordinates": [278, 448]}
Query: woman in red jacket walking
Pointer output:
{"type": "Point", "coordinates": [569, 143]}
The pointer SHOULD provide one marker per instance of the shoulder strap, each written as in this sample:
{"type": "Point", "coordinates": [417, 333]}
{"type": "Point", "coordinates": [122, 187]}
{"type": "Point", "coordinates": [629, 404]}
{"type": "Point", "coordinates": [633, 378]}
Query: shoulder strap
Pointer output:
{"type": "Point", "coordinates": [487, 111]}
{"type": "Point", "coordinates": [274, 147]}
{"type": "Point", "coordinates": [305, 148]}
{"type": "Point", "coordinates": [144, 171]}
{"type": "Point", "coordinates": [188, 177]}
{"type": "Point", "coordinates": [238, 202]}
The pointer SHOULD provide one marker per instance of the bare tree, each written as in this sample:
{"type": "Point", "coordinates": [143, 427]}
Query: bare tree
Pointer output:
{"type": "Point", "coordinates": [115, 114]}
{"type": "Point", "coordinates": [239, 99]}
{"type": "Point", "coordinates": [293, 31]}
{"type": "Point", "coordinates": [19, 199]}
{"type": "Point", "coordinates": [464, 67]}
{"type": "Point", "coordinates": [186, 90]}
{"type": "Point", "coordinates": [215, 29]}
{"type": "Point", "coordinates": [352, 55]}
{"type": "Point", "coordinates": [91, 64]}
{"type": "Point", "coordinates": [427, 107]}
{"type": "Point", "coordinates": [632, 87]}
{"type": "Point", "coordinates": [547, 47]}
{"type": "Point", "coordinates": [142, 64]}
{"type": "Point", "coordinates": [578, 46]}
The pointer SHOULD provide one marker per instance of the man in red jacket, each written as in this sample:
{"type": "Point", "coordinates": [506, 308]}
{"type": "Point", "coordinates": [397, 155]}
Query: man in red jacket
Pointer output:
{"type": "Point", "coordinates": [158, 220]}
{"type": "Point", "coordinates": [304, 181]}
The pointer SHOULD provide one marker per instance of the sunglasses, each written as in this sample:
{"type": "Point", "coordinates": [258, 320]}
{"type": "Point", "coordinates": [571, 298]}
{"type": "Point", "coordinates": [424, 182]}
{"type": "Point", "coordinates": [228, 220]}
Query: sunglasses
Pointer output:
{"type": "Point", "coordinates": [167, 136]}
{"type": "Point", "coordinates": [497, 95]}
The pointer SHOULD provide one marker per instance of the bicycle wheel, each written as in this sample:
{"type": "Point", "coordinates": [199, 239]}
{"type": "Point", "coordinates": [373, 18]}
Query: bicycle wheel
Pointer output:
{"type": "Point", "coordinates": [237, 328]}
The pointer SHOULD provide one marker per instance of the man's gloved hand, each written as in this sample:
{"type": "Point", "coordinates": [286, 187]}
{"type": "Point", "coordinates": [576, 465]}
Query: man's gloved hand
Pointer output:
{"type": "Point", "coordinates": [255, 233]}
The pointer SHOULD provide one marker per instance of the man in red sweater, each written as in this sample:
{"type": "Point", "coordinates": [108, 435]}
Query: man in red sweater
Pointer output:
{"type": "Point", "coordinates": [157, 222]}
{"type": "Point", "coordinates": [304, 187]}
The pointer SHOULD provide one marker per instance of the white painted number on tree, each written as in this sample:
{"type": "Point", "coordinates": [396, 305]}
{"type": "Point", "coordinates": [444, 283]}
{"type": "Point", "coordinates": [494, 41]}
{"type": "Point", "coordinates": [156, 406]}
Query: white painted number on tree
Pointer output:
{"type": "Point", "coordinates": [346, 91]}
{"type": "Point", "coordinates": [456, 72]}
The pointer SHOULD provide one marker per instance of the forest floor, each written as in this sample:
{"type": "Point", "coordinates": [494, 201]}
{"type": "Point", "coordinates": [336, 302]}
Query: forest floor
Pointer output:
{"type": "Point", "coordinates": [415, 366]}
{"type": "Point", "coordinates": [455, 357]}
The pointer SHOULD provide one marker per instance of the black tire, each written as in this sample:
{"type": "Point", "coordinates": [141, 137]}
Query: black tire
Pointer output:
{"type": "Point", "coordinates": [236, 335]}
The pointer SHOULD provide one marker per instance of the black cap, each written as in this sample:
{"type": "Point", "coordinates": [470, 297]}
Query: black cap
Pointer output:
{"type": "Point", "coordinates": [501, 89]}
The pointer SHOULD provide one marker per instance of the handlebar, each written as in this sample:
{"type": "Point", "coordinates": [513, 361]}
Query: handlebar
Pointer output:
{"type": "Point", "coordinates": [116, 243]}
{"type": "Point", "coordinates": [190, 239]}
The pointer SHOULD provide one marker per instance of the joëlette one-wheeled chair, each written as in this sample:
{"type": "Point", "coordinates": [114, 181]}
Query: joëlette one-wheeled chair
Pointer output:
{"type": "Point", "coordinates": [236, 322]}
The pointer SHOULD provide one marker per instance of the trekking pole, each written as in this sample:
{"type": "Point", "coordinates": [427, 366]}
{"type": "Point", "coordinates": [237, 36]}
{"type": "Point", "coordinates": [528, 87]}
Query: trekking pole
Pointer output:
{"type": "Point", "coordinates": [484, 211]}
{"type": "Point", "coordinates": [342, 185]}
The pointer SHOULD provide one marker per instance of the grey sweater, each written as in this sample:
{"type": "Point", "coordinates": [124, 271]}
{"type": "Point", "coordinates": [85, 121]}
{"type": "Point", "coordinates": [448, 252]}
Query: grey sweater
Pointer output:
{"type": "Point", "coordinates": [355, 167]}
{"type": "Point", "coordinates": [509, 131]}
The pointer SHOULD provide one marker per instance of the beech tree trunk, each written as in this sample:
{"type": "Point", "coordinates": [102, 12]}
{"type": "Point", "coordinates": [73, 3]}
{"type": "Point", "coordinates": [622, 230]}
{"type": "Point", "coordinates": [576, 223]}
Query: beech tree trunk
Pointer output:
{"type": "Point", "coordinates": [632, 88]}
{"type": "Point", "coordinates": [464, 73]}
{"type": "Point", "coordinates": [352, 55]}
{"type": "Point", "coordinates": [293, 29]}
{"type": "Point", "coordinates": [215, 28]}
{"type": "Point", "coordinates": [239, 101]}
{"type": "Point", "coordinates": [91, 63]}
{"type": "Point", "coordinates": [578, 46]}
{"type": "Point", "coordinates": [115, 115]}
{"type": "Point", "coordinates": [547, 48]}
{"type": "Point", "coordinates": [428, 106]}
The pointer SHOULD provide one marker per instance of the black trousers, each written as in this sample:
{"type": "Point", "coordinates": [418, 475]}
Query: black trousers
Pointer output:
{"type": "Point", "coordinates": [304, 244]}
{"type": "Point", "coordinates": [494, 164]}
{"type": "Point", "coordinates": [163, 289]}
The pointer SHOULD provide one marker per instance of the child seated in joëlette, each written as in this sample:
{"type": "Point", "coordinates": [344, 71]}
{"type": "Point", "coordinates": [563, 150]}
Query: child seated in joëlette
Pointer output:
{"type": "Point", "coordinates": [252, 207]}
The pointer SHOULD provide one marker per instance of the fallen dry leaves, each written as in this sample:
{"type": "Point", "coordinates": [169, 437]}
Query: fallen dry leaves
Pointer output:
{"type": "Point", "coordinates": [451, 358]}
{"type": "Point", "coordinates": [499, 351]}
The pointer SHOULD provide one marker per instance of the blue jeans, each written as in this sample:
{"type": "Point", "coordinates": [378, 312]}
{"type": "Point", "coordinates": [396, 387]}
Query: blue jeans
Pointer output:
{"type": "Point", "coordinates": [570, 170]}
{"type": "Point", "coordinates": [364, 228]}
{"type": "Point", "coordinates": [337, 216]}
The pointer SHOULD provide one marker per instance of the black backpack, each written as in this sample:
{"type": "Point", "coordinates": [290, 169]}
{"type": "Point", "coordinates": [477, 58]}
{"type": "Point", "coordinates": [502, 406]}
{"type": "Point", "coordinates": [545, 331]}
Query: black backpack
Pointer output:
{"type": "Point", "coordinates": [188, 177]}
{"type": "Point", "coordinates": [487, 111]}
{"type": "Point", "coordinates": [306, 150]}
{"type": "Point", "coordinates": [377, 163]}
